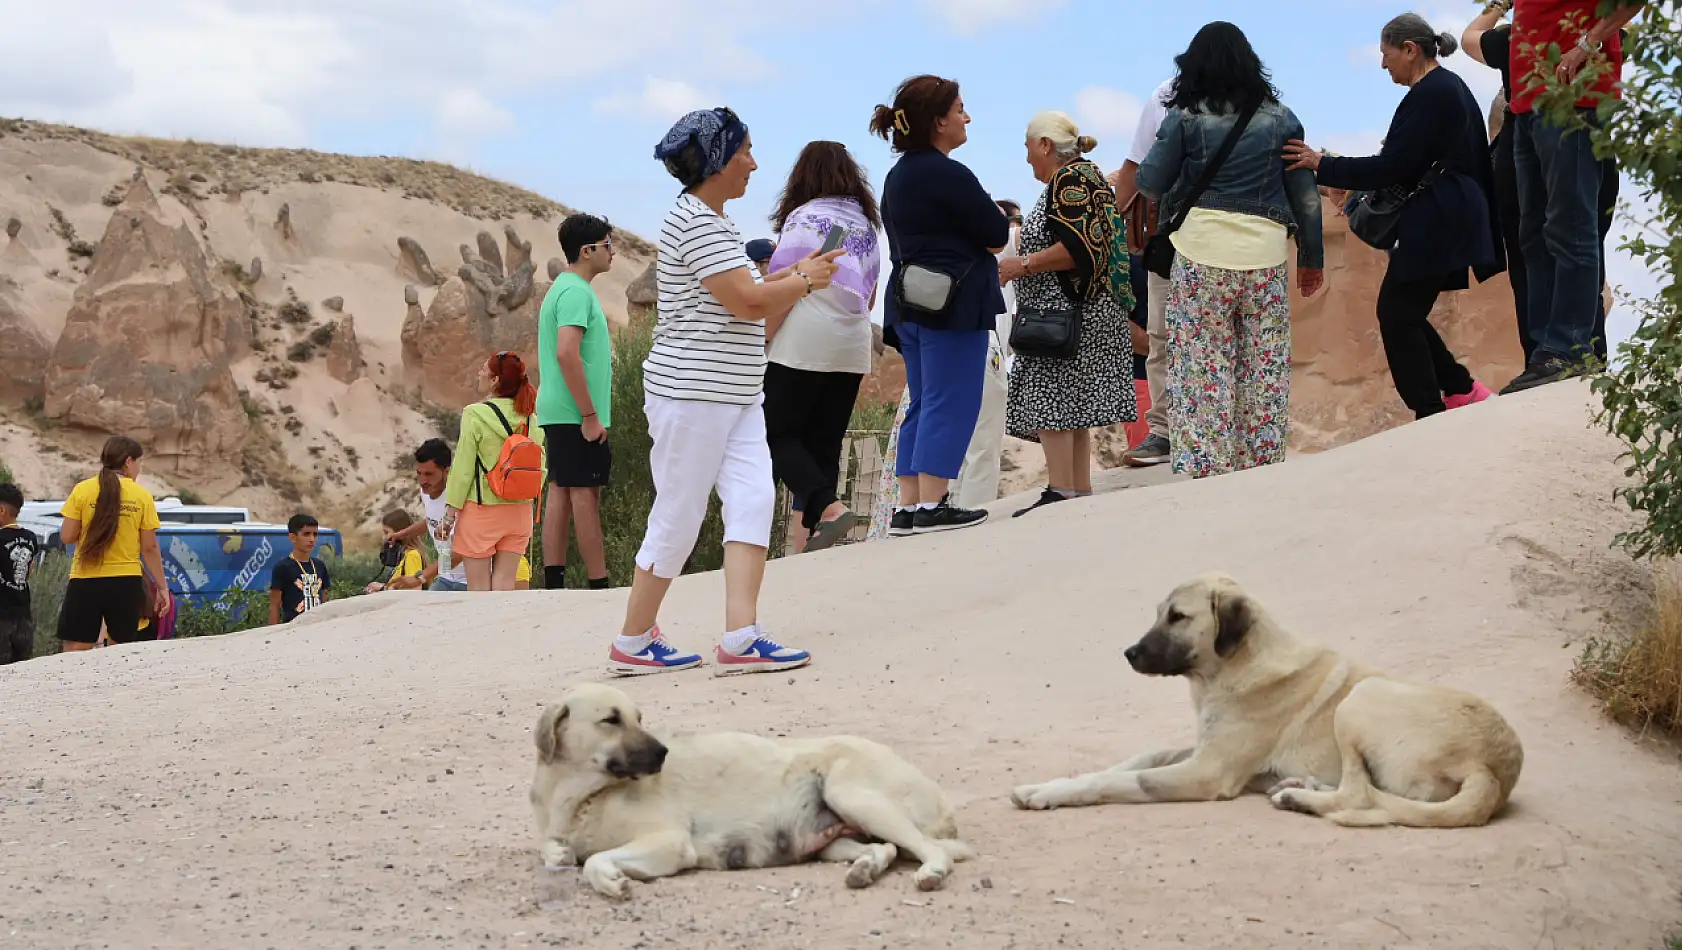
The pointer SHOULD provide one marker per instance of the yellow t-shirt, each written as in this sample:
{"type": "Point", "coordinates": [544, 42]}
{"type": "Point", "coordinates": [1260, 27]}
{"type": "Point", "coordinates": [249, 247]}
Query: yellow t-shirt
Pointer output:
{"type": "Point", "coordinates": [1232, 241]}
{"type": "Point", "coordinates": [138, 513]}
{"type": "Point", "coordinates": [410, 566]}
{"type": "Point", "coordinates": [523, 572]}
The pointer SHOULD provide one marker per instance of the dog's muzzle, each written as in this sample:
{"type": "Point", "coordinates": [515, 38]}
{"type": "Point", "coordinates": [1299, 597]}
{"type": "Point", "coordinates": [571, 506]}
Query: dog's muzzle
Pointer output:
{"type": "Point", "coordinates": [1159, 655]}
{"type": "Point", "coordinates": [646, 758]}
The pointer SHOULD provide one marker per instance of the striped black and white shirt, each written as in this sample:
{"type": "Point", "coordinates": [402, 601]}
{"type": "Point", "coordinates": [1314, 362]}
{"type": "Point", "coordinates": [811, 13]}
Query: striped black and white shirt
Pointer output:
{"type": "Point", "coordinates": [700, 351]}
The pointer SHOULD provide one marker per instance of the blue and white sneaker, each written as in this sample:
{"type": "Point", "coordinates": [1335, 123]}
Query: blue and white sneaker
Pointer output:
{"type": "Point", "coordinates": [763, 655]}
{"type": "Point", "coordinates": [658, 657]}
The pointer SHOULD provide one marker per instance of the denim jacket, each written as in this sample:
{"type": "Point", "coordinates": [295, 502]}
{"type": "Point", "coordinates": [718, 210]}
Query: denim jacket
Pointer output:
{"type": "Point", "coordinates": [1252, 180]}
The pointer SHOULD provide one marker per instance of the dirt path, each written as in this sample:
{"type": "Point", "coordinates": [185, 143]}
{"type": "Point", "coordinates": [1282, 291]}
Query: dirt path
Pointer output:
{"type": "Point", "coordinates": [361, 782]}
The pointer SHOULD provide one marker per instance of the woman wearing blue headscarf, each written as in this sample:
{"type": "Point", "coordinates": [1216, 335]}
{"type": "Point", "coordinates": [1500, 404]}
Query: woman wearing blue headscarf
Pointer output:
{"type": "Point", "coordinates": [703, 385]}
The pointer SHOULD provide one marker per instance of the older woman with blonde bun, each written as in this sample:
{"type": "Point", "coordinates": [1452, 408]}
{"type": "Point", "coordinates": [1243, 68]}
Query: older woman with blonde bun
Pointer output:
{"type": "Point", "coordinates": [1072, 256]}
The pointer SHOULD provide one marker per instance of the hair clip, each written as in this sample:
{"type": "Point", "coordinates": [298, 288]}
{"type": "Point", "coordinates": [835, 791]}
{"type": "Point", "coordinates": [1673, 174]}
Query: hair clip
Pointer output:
{"type": "Point", "coordinates": [901, 122]}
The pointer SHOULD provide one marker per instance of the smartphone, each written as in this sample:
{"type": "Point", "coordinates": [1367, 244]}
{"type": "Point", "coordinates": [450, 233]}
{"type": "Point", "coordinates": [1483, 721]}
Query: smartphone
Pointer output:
{"type": "Point", "coordinates": [833, 239]}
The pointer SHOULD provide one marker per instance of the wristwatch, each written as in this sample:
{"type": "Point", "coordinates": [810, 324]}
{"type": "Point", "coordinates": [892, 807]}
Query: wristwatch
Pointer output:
{"type": "Point", "coordinates": [1587, 47]}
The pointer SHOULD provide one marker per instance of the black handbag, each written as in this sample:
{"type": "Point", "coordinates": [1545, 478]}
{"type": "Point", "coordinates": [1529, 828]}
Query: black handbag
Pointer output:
{"type": "Point", "coordinates": [1052, 333]}
{"type": "Point", "coordinates": [1376, 217]}
{"type": "Point", "coordinates": [1159, 250]}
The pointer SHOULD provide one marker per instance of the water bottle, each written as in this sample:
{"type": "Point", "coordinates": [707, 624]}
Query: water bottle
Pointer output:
{"type": "Point", "coordinates": [556, 886]}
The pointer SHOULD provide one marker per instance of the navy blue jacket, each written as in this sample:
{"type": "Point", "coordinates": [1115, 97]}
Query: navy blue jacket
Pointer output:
{"type": "Point", "coordinates": [1252, 180]}
{"type": "Point", "coordinates": [937, 214]}
{"type": "Point", "coordinates": [1454, 225]}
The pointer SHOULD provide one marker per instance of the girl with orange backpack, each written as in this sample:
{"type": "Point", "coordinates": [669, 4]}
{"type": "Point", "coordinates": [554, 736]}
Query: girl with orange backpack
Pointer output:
{"type": "Point", "coordinates": [489, 514]}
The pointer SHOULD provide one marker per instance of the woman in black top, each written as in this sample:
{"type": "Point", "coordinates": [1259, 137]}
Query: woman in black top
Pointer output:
{"type": "Point", "coordinates": [939, 218]}
{"type": "Point", "coordinates": [1447, 228]}
{"type": "Point", "coordinates": [1489, 41]}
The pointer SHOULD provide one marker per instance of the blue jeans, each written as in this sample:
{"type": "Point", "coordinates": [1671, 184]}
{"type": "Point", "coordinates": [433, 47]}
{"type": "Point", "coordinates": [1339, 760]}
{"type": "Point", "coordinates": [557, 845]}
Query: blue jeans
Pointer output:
{"type": "Point", "coordinates": [447, 585]}
{"type": "Point", "coordinates": [1559, 182]}
{"type": "Point", "coordinates": [944, 370]}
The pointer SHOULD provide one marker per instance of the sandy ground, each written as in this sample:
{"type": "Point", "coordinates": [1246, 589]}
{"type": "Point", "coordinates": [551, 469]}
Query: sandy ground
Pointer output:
{"type": "Point", "coordinates": [360, 781]}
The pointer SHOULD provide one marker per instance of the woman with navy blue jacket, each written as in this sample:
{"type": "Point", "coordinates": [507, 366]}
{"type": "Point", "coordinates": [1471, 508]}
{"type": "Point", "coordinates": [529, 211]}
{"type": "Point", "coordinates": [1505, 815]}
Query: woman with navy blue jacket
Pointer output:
{"type": "Point", "coordinates": [938, 216]}
{"type": "Point", "coordinates": [1439, 145]}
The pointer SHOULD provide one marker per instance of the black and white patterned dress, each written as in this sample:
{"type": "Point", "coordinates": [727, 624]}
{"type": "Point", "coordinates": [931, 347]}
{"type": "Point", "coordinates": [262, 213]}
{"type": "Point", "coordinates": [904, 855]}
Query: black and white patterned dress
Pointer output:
{"type": "Point", "coordinates": [1091, 391]}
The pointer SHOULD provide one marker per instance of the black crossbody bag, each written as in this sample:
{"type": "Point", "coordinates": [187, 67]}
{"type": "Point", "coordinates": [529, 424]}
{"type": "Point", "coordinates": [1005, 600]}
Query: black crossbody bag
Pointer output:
{"type": "Point", "coordinates": [1159, 251]}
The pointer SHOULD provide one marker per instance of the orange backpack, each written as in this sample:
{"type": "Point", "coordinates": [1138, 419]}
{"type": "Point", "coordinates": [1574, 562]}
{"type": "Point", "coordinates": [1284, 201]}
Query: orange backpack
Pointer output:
{"type": "Point", "coordinates": [518, 472]}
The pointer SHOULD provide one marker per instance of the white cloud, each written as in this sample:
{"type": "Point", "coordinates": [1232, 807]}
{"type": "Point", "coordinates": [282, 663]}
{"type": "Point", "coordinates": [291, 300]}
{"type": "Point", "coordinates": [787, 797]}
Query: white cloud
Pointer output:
{"type": "Point", "coordinates": [662, 99]}
{"type": "Point", "coordinates": [969, 17]}
{"type": "Point", "coordinates": [1109, 115]}
{"type": "Point", "coordinates": [257, 73]}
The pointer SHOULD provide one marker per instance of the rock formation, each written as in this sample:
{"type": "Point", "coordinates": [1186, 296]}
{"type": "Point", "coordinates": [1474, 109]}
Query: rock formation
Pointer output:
{"type": "Point", "coordinates": [491, 254]}
{"type": "Point", "coordinates": [254, 273]}
{"type": "Point", "coordinates": [148, 341]}
{"type": "Point", "coordinates": [642, 300]}
{"type": "Point", "coordinates": [410, 335]}
{"type": "Point", "coordinates": [517, 289]}
{"type": "Point", "coordinates": [335, 304]}
{"type": "Point", "coordinates": [444, 346]}
{"type": "Point", "coordinates": [23, 357]}
{"type": "Point", "coordinates": [283, 221]}
{"type": "Point", "coordinates": [344, 353]}
{"type": "Point", "coordinates": [413, 263]}
{"type": "Point", "coordinates": [13, 226]}
{"type": "Point", "coordinates": [519, 250]}
{"type": "Point", "coordinates": [554, 267]}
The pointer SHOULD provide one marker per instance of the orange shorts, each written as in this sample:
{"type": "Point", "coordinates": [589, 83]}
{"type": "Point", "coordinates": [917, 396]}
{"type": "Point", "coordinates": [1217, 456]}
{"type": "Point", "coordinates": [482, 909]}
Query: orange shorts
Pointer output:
{"type": "Point", "coordinates": [483, 530]}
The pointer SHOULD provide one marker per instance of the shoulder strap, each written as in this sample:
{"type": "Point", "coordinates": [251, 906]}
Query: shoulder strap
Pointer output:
{"type": "Point", "coordinates": [500, 417]}
{"type": "Point", "coordinates": [1214, 166]}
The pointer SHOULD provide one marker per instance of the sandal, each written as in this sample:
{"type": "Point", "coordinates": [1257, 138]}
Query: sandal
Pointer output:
{"type": "Point", "coordinates": [829, 533]}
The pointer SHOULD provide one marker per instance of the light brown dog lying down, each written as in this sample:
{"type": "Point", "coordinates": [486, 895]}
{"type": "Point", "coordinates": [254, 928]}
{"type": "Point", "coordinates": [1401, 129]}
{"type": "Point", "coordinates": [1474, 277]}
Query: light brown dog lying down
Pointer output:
{"type": "Point", "coordinates": [632, 806]}
{"type": "Point", "coordinates": [1319, 733]}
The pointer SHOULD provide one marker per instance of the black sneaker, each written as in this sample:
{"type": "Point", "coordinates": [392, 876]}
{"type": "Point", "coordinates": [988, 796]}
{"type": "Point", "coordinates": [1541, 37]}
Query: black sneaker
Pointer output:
{"type": "Point", "coordinates": [1551, 370]}
{"type": "Point", "coordinates": [1050, 496]}
{"type": "Point", "coordinates": [1154, 450]}
{"type": "Point", "coordinates": [945, 517]}
{"type": "Point", "coordinates": [901, 524]}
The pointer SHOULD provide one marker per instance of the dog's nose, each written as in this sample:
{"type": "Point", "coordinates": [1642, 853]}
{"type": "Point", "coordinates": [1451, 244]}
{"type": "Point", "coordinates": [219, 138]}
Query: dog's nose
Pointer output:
{"type": "Point", "coordinates": [1132, 653]}
{"type": "Point", "coordinates": [660, 751]}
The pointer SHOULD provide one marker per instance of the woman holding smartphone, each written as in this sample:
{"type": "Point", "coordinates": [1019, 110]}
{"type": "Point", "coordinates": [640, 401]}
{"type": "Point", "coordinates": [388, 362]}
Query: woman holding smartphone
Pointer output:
{"type": "Point", "coordinates": [819, 352]}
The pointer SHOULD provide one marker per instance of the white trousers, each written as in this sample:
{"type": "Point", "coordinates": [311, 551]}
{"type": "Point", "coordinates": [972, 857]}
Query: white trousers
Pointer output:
{"type": "Point", "coordinates": [699, 447]}
{"type": "Point", "coordinates": [977, 483]}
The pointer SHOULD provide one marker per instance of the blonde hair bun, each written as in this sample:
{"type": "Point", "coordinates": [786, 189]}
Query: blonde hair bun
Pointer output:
{"type": "Point", "coordinates": [1086, 143]}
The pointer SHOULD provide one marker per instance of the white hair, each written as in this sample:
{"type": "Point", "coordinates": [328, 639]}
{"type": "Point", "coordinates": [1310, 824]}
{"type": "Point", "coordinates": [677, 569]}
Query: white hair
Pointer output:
{"type": "Point", "coordinates": [1064, 134]}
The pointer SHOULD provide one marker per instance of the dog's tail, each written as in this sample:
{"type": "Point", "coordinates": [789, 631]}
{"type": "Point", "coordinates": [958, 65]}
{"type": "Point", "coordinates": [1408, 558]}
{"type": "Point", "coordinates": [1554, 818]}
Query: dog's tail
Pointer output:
{"type": "Point", "coordinates": [1479, 798]}
{"type": "Point", "coordinates": [955, 849]}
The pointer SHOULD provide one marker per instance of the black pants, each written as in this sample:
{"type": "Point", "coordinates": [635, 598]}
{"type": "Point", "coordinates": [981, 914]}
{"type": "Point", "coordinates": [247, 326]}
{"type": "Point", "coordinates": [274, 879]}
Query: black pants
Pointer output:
{"type": "Point", "coordinates": [1421, 365]}
{"type": "Point", "coordinates": [806, 416]}
{"type": "Point", "coordinates": [17, 639]}
{"type": "Point", "coordinates": [1506, 197]}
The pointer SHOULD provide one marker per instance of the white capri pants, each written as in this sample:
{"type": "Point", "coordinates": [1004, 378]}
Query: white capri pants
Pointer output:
{"type": "Point", "coordinates": [700, 446]}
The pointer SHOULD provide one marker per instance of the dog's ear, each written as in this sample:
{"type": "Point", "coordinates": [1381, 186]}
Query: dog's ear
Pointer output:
{"type": "Point", "coordinates": [548, 732]}
{"type": "Point", "coordinates": [1233, 618]}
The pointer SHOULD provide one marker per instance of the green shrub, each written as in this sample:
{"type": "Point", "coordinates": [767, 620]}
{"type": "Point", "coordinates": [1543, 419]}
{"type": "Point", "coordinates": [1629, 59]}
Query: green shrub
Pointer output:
{"type": "Point", "coordinates": [236, 611]}
{"type": "Point", "coordinates": [46, 599]}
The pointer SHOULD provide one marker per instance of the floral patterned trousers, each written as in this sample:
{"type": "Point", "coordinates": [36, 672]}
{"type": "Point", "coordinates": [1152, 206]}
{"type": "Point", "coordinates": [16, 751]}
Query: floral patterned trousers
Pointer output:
{"type": "Point", "coordinates": [1229, 367]}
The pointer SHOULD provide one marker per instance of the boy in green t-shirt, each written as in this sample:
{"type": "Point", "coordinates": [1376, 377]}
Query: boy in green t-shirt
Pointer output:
{"type": "Point", "coordinates": [575, 365]}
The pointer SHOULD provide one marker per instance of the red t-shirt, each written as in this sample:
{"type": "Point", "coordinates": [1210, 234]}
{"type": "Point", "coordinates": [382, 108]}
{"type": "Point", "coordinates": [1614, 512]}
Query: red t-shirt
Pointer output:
{"type": "Point", "coordinates": [1536, 23]}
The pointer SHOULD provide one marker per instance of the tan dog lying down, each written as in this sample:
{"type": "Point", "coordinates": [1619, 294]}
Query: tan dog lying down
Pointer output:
{"type": "Point", "coordinates": [631, 806]}
{"type": "Point", "coordinates": [1321, 734]}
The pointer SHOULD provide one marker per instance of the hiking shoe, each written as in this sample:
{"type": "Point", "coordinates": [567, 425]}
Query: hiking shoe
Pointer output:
{"type": "Point", "coordinates": [1479, 393]}
{"type": "Point", "coordinates": [1154, 450]}
{"type": "Point", "coordinates": [1551, 370]}
{"type": "Point", "coordinates": [658, 657]}
{"type": "Point", "coordinates": [763, 655]}
{"type": "Point", "coordinates": [902, 523]}
{"type": "Point", "coordinates": [1050, 496]}
{"type": "Point", "coordinates": [945, 517]}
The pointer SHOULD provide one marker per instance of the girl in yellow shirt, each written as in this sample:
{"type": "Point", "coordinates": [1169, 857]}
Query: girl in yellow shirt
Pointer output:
{"type": "Point", "coordinates": [113, 523]}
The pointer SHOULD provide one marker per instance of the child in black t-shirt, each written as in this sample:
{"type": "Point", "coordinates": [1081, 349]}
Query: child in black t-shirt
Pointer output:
{"type": "Point", "coordinates": [299, 582]}
{"type": "Point", "coordinates": [18, 550]}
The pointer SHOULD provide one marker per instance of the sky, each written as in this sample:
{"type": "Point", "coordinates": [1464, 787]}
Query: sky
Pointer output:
{"type": "Point", "coordinates": [569, 97]}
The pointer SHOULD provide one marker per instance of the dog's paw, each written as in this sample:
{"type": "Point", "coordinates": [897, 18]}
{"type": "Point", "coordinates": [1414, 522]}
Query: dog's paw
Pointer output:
{"type": "Point", "coordinates": [930, 877]}
{"type": "Point", "coordinates": [558, 855]}
{"type": "Point", "coordinates": [866, 868]}
{"type": "Point", "coordinates": [1037, 797]}
{"type": "Point", "coordinates": [609, 881]}
{"type": "Point", "coordinates": [1308, 783]}
{"type": "Point", "coordinates": [1292, 799]}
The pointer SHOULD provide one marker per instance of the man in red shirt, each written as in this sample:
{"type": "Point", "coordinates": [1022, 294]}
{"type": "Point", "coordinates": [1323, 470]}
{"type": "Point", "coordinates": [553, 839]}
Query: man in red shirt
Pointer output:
{"type": "Point", "coordinates": [1559, 178]}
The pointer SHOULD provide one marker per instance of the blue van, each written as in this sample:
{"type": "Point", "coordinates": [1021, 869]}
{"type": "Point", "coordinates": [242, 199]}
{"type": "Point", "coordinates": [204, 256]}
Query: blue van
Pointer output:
{"type": "Point", "coordinates": [205, 561]}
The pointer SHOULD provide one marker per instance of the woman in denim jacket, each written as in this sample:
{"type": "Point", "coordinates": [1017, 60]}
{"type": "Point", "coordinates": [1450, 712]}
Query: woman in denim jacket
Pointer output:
{"type": "Point", "coordinates": [1229, 303]}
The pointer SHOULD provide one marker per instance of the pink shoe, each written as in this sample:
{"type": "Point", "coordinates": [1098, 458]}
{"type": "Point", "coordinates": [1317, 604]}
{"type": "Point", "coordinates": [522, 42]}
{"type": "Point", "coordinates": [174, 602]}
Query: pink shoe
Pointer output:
{"type": "Point", "coordinates": [1479, 393]}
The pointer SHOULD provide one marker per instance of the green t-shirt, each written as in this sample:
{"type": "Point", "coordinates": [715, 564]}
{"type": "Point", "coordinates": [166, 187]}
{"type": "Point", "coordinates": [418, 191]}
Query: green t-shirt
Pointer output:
{"type": "Point", "coordinates": [571, 303]}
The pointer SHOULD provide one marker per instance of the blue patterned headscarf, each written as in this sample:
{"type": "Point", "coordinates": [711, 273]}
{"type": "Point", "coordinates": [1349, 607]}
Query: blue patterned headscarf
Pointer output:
{"type": "Point", "coordinates": [717, 135]}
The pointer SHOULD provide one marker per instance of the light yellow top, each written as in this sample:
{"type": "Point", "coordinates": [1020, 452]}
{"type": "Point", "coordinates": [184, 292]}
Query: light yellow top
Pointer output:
{"type": "Point", "coordinates": [138, 513]}
{"type": "Point", "coordinates": [1232, 241]}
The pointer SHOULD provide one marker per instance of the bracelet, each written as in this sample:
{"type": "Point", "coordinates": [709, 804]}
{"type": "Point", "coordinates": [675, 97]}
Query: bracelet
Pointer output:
{"type": "Point", "coordinates": [588, 415]}
{"type": "Point", "coordinates": [810, 288]}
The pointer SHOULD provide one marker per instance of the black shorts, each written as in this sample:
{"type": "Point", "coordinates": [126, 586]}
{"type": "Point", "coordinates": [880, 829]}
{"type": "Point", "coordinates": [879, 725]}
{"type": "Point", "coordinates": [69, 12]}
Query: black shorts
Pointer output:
{"type": "Point", "coordinates": [17, 638]}
{"type": "Point", "coordinates": [573, 462]}
{"type": "Point", "coordinates": [114, 601]}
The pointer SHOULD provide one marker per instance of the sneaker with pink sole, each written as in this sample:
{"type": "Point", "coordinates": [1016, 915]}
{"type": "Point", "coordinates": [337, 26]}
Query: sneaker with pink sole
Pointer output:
{"type": "Point", "coordinates": [1479, 393]}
